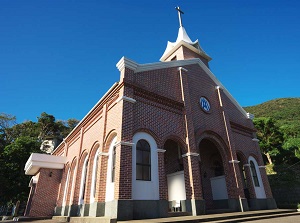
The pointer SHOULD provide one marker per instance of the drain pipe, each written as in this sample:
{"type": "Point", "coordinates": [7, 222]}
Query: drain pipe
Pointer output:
{"type": "Point", "coordinates": [229, 144]}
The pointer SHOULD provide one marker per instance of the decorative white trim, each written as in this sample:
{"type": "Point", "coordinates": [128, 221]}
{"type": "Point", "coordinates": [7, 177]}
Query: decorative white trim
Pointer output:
{"type": "Point", "coordinates": [180, 63]}
{"type": "Point", "coordinates": [234, 161]}
{"type": "Point", "coordinates": [37, 161]}
{"type": "Point", "coordinates": [110, 186]}
{"type": "Point", "coordinates": [250, 116]}
{"type": "Point", "coordinates": [85, 117]}
{"type": "Point", "coordinates": [126, 63]}
{"type": "Point", "coordinates": [190, 154]}
{"type": "Point", "coordinates": [83, 180]}
{"type": "Point", "coordinates": [172, 47]}
{"type": "Point", "coordinates": [247, 165]}
{"type": "Point", "coordinates": [181, 68]}
{"type": "Point", "coordinates": [103, 154]}
{"type": "Point", "coordinates": [161, 150]}
{"type": "Point", "coordinates": [145, 190]}
{"type": "Point", "coordinates": [122, 143]}
{"type": "Point", "coordinates": [255, 140]}
{"type": "Point", "coordinates": [33, 180]}
{"type": "Point", "coordinates": [262, 167]}
{"type": "Point", "coordinates": [125, 98]}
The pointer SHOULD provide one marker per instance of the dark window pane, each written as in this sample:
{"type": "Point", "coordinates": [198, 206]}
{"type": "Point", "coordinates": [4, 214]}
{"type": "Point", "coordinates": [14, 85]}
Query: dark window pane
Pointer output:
{"type": "Point", "coordinates": [139, 156]}
{"type": "Point", "coordinates": [146, 157]}
{"type": "Point", "coordinates": [143, 160]}
{"type": "Point", "coordinates": [139, 172]}
{"type": "Point", "coordinates": [146, 173]}
{"type": "Point", "coordinates": [113, 165]}
{"type": "Point", "coordinates": [254, 174]}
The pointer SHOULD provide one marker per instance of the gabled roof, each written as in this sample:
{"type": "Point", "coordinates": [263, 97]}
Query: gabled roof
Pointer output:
{"type": "Point", "coordinates": [127, 63]}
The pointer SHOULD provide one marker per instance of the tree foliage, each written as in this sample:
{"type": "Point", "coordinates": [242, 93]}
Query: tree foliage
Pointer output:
{"type": "Point", "coordinates": [17, 142]}
{"type": "Point", "coordinates": [278, 129]}
{"type": "Point", "coordinates": [270, 137]}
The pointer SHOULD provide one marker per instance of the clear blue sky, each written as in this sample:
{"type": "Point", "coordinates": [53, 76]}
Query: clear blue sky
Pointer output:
{"type": "Point", "coordinates": [59, 56]}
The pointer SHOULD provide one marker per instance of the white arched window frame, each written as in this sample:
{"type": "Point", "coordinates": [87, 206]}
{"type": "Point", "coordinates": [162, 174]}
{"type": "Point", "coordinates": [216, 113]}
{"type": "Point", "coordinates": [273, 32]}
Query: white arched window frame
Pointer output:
{"type": "Point", "coordinates": [110, 185]}
{"type": "Point", "coordinates": [73, 185]}
{"type": "Point", "coordinates": [83, 181]}
{"type": "Point", "coordinates": [66, 187]}
{"type": "Point", "coordinates": [94, 177]}
{"type": "Point", "coordinates": [256, 178]}
{"type": "Point", "coordinates": [145, 189]}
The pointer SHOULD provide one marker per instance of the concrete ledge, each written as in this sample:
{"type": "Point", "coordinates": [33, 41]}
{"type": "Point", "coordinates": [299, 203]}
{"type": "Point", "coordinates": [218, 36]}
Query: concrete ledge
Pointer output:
{"type": "Point", "coordinates": [92, 220]}
{"type": "Point", "coordinates": [61, 218]}
{"type": "Point", "coordinates": [24, 218]}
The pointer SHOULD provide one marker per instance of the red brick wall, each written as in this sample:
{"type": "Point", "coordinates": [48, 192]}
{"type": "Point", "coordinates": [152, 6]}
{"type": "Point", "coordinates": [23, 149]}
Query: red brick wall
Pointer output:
{"type": "Point", "coordinates": [46, 192]}
{"type": "Point", "coordinates": [159, 111]}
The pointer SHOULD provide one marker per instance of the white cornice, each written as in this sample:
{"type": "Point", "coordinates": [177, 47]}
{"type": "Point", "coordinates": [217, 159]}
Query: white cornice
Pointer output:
{"type": "Point", "coordinates": [182, 69]}
{"type": "Point", "coordinates": [95, 106]}
{"type": "Point", "coordinates": [172, 47]}
{"type": "Point", "coordinates": [37, 161]}
{"type": "Point", "coordinates": [122, 143]}
{"type": "Point", "coordinates": [161, 150]}
{"type": "Point", "coordinates": [131, 100]}
{"type": "Point", "coordinates": [126, 63]}
{"type": "Point", "coordinates": [250, 116]}
{"type": "Point", "coordinates": [180, 63]}
{"type": "Point", "coordinates": [103, 154]}
{"type": "Point", "coordinates": [190, 154]}
{"type": "Point", "coordinates": [234, 161]}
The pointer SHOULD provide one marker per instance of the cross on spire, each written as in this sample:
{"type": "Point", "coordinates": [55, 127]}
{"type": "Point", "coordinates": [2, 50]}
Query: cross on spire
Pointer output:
{"type": "Point", "coordinates": [179, 15]}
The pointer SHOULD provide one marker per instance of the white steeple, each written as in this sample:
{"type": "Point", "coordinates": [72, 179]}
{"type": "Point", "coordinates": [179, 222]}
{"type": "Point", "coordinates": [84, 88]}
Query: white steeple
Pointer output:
{"type": "Point", "coordinates": [183, 39]}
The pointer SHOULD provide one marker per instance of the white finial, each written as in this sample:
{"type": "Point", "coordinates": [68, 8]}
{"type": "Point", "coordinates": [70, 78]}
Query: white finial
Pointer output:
{"type": "Point", "coordinates": [179, 15]}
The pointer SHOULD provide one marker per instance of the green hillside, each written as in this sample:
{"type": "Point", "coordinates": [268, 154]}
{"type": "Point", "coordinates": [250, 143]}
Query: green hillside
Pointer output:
{"type": "Point", "coordinates": [284, 173]}
{"type": "Point", "coordinates": [285, 111]}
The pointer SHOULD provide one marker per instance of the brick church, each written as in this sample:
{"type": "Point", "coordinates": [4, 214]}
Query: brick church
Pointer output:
{"type": "Point", "coordinates": [167, 137]}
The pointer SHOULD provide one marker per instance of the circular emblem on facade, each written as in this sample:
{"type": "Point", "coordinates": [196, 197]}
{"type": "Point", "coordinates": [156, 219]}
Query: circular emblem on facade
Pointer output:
{"type": "Point", "coordinates": [204, 104]}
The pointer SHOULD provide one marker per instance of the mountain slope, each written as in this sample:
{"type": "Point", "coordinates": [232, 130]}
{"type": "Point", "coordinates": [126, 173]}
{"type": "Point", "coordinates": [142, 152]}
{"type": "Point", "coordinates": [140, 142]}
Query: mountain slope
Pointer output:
{"type": "Point", "coordinates": [286, 112]}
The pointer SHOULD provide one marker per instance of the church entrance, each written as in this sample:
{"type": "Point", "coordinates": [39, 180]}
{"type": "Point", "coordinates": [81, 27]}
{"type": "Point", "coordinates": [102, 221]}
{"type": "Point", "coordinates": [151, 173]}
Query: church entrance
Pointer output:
{"type": "Point", "coordinates": [175, 176]}
{"type": "Point", "coordinates": [213, 177]}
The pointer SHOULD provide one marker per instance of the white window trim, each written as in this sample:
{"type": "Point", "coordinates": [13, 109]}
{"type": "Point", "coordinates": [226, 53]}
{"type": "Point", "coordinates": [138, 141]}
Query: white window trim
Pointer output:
{"type": "Point", "coordinates": [82, 182]}
{"type": "Point", "coordinates": [94, 177]}
{"type": "Point", "coordinates": [110, 186]}
{"type": "Point", "coordinates": [145, 190]}
{"type": "Point", "coordinates": [259, 191]}
{"type": "Point", "coordinates": [66, 187]}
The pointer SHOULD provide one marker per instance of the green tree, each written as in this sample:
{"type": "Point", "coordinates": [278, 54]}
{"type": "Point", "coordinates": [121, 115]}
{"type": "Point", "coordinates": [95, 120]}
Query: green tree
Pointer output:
{"type": "Point", "coordinates": [15, 156]}
{"type": "Point", "coordinates": [293, 145]}
{"type": "Point", "coordinates": [17, 142]}
{"type": "Point", "coordinates": [270, 137]}
{"type": "Point", "coordinates": [6, 121]}
{"type": "Point", "coordinates": [47, 126]}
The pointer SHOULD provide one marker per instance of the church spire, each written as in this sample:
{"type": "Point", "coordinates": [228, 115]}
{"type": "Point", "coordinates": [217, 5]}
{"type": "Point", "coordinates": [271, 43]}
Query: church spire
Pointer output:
{"type": "Point", "coordinates": [183, 40]}
{"type": "Point", "coordinates": [179, 15]}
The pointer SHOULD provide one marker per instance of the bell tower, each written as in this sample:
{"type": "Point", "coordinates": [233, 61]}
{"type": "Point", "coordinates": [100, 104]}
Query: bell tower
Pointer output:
{"type": "Point", "coordinates": [184, 48]}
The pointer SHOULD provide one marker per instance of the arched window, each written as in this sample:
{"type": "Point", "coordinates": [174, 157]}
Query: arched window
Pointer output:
{"type": "Point", "coordinates": [66, 187]}
{"type": "Point", "coordinates": [143, 160]}
{"type": "Point", "coordinates": [83, 181]}
{"type": "Point", "coordinates": [254, 174]}
{"type": "Point", "coordinates": [113, 165]}
{"type": "Point", "coordinates": [94, 177]}
{"type": "Point", "coordinates": [110, 175]}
